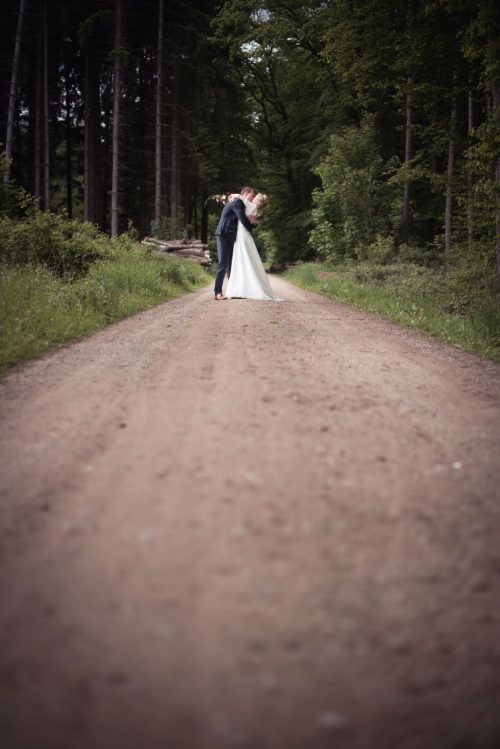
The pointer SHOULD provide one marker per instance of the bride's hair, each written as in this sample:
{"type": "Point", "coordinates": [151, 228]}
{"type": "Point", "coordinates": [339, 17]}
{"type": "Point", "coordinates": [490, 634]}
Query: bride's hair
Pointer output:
{"type": "Point", "coordinates": [261, 200]}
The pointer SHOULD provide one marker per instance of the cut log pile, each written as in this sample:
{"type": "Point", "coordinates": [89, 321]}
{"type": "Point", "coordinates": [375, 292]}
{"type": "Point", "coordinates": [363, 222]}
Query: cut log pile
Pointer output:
{"type": "Point", "coordinates": [189, 249]}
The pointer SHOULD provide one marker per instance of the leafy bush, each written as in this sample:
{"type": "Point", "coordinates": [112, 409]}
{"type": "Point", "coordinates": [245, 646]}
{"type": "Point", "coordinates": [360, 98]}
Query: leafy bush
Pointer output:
{"type": "Point", "coordinates": [355, 199]}
{"type": "Point", "coordinates": [381, 250]}
{"type": "Point", "coordinates": [66, 247]}
{"type": "Point", "coordinates": [429, 255]}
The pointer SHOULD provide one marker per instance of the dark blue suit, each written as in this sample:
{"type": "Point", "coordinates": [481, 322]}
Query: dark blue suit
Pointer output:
{"type": "Point", "coordinates": [226, 237]}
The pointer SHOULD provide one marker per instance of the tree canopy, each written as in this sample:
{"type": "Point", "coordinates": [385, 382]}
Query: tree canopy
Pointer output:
{"type": "Point", "coordinates": [370, 123]}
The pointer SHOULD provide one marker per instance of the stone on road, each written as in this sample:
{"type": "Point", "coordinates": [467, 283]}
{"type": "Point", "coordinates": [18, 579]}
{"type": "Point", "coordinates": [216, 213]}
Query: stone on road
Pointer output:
{"type": "Point", "coordinates": [251, 524]}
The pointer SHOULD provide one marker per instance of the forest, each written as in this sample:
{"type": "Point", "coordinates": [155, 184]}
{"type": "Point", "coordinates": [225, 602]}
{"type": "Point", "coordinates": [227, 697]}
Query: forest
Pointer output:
{"type": "Point", "coordinates": [373, 125]}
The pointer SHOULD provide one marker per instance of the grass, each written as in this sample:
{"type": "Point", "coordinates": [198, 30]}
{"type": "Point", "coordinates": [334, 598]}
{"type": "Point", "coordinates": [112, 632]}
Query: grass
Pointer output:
{"type": "Point", "coordinates": [434, 302]}
{"type": "Point", "coordinates": [39, 310]}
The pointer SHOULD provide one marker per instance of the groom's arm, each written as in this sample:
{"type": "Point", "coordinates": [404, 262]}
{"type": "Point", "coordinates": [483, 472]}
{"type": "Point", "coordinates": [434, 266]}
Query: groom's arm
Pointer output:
{"type": "Point", "coordinates": [239, 209]}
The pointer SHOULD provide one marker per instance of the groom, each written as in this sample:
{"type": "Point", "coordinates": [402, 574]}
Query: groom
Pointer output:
{"type": "Point", "coordinates": [225, 233]}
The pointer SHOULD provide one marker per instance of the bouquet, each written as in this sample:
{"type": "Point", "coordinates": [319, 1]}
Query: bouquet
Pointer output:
{"type": "Point", "coordinates": [224, 198]}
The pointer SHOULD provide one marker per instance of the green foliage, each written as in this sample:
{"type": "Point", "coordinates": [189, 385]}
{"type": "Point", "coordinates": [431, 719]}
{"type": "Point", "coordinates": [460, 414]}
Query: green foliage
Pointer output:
{"type": "Point", "coordinates": [67, 248]}
{"type": "Point", "coordinates": [481, 157]}
{"type": "Point", "coordinates": [272, 65]}
{"type": "Point", "coordinates": [39, 310]}
{"type": "Point", "coordinates": [313, 103]}
{"type": "Point", "coordinates": [168, 228]}
{"type": "Point", "coordinates": [381, 250]}
{"type": "Point", "coordinates": [14, 200]}
{"type": "Point", "coordinates": [352, 206]}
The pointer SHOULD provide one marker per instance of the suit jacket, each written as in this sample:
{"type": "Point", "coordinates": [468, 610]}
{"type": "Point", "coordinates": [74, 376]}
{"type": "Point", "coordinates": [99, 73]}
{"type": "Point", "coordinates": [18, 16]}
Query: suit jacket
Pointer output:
{"type": "Point", "coordinates": [228, 223]}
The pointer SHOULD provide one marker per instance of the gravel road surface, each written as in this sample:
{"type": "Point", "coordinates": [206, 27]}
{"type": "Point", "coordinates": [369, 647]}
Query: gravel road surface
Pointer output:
{"type": "Point", "coordinates": [251, 525]}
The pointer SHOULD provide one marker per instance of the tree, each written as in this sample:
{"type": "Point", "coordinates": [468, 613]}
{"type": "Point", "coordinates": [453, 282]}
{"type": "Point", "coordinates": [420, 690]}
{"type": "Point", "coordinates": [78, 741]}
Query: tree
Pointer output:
{"type": "Point", "coordinates": [159, 101]}
{"type": "Point", "coordinates": [46, 111]}
{"type": "Point", "coordinates": [92, 31]}
{"type": "Point", "coordinates": [405, 219]}
{"type": "Point", "coordinates": [117, 56]}
{"type": "Point", "coordinates": [450, 168]}
{"type": "Point", "coordinates": [11, 116]}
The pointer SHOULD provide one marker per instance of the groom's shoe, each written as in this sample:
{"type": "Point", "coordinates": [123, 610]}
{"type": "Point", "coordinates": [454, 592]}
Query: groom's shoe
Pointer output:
{"type": "Point", "coordinates": [218, 297]}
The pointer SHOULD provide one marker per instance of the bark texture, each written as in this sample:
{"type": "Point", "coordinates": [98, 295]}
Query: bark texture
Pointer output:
{"type": "Point", "coordinates": [11, 113]}
{"type": "Point", "coordinates": [159, 114]}
{"type": "Point", "coordinates": [116, 119]}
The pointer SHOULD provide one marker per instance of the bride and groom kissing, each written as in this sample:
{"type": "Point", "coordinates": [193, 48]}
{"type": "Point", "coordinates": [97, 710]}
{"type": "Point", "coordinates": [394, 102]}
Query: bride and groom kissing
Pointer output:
{"type": "Point", "coordinates": [238, 256]}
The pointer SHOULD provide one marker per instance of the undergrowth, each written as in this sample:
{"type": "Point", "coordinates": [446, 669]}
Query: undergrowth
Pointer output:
{"type": "Point", "coordinates": [448, 304]}
{"type": "Point", "coordinates": [40, 308]}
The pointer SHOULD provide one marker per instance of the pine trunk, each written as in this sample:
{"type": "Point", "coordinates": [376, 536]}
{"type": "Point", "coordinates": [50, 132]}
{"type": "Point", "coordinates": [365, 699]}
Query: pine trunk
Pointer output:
{"type": "Point", "coordinates": [449, 177]}
{"type": "Point", "coordinates": [38, 112]}
{"type": "Point", "coordinates": [405, 222]}
{"type": "Point", "coordinates": [93, 203]}
{"type": "Point", "coordinates": [116, 119]}
{"type": "Point", "coordinates": [405, 216]}
{"type": "Point", "coordinates": [495, 98]}
{"type": "Point", "coordinates": [11, 114]}
{"type": "Point", "coordinates": [69, 146]}
{"type": "Point", "coordinates": [159, 99]}
{"type": "Point", "coordinates": [204, 217]}
{"type": "Point", "coordinates": [46, 114]}
{"type": "Point", "coordinates": [88, 187]}
{"type": "Point", "coordinates": [194, 214]}
{"type": "Point", "coordinates": [470, 128]}
{"type": "Point", "coordinates": [174, 156]}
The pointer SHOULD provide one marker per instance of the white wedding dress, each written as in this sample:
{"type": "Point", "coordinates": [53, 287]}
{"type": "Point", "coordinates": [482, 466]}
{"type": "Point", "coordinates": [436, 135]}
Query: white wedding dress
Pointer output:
{"type": "Point", "coordinates": [248, 278]}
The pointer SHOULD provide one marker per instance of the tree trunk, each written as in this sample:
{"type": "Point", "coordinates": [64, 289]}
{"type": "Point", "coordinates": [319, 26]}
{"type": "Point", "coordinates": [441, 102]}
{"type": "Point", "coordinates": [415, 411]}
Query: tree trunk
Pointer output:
{"type": "Point", "coordinates": [38, 112]}
{"type": "Point", "coordinates": [405, 216]}
{"type": "Point", "coordinates": [46, 114]}
{"type": "Point", "coordinates": [405, 221]}
{"type": "Point", "coordinates": [204, 217]}
{"type": "Point", "coordinates": [495, 98]}
{"type": "Point", "coordinates": [93, 200]}
{"type": "Point", "coordinates": [159, 100]}
{"type": "Point", "coordinates": [449, 176]}
{"type": "Point", "coordinates": [11, 114]}
{"type": "Point", "coordinates": [116, 119]}
{"type": "Point", "coordinates": [107, 113]}
{"type": "Point", "coordinates": [69, 171]}
{"type": "Point", "coordinates": [88, 186]}
{"type": "Point", "coordinates": [174, 156]}
{"type": "Point", "coordinates": [195, 214]}
{"type": "Point", "coordinates": [470, 128]}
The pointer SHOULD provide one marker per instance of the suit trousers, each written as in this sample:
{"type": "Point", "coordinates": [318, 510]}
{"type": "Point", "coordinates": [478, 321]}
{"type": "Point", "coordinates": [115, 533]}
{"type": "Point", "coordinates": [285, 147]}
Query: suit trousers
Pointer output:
{"type": "Point", "coordinates": [225, 255]}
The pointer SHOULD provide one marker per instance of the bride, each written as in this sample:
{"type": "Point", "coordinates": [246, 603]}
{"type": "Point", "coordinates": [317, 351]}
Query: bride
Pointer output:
{"type": "Point", "coordinates": [248, 278]}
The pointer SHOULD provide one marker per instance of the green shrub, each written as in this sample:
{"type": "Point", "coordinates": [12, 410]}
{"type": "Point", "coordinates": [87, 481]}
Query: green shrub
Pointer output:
{"type": "Point", "coordinates": [65, 247]}
{"type": "Point", "coordinates": [355, 200]}
{"type": "Point", "coordinates": [429, 254]}
{"type": "Point", "coordinates": [381, 250]}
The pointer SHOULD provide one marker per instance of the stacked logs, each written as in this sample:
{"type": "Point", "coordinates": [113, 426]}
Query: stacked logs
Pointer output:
{"type": "Point", "coordinates": [189, 249]}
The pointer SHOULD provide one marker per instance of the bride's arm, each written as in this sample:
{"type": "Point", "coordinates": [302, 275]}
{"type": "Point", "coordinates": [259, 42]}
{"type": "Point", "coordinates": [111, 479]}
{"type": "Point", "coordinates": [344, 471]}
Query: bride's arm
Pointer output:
{"type": "Point", "coordinates": [239, 209]}
{"type": "Point", "coordinates": [251, 211]}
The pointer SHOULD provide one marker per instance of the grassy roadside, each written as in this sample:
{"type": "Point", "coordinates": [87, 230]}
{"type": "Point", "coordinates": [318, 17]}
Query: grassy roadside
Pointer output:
{"type": "Point", "coordinates": [39, 310]}
{"type": "Point", "coordinates": [433, 302]}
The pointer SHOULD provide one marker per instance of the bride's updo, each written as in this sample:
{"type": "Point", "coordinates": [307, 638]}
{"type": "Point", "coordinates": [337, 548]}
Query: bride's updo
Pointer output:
{"type": "Point", "coordinates": [261, 200]}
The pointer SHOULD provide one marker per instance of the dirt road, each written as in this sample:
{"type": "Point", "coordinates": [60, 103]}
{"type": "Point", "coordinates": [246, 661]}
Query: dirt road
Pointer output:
{"type": "Point", "coordinates": [251, 525]}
